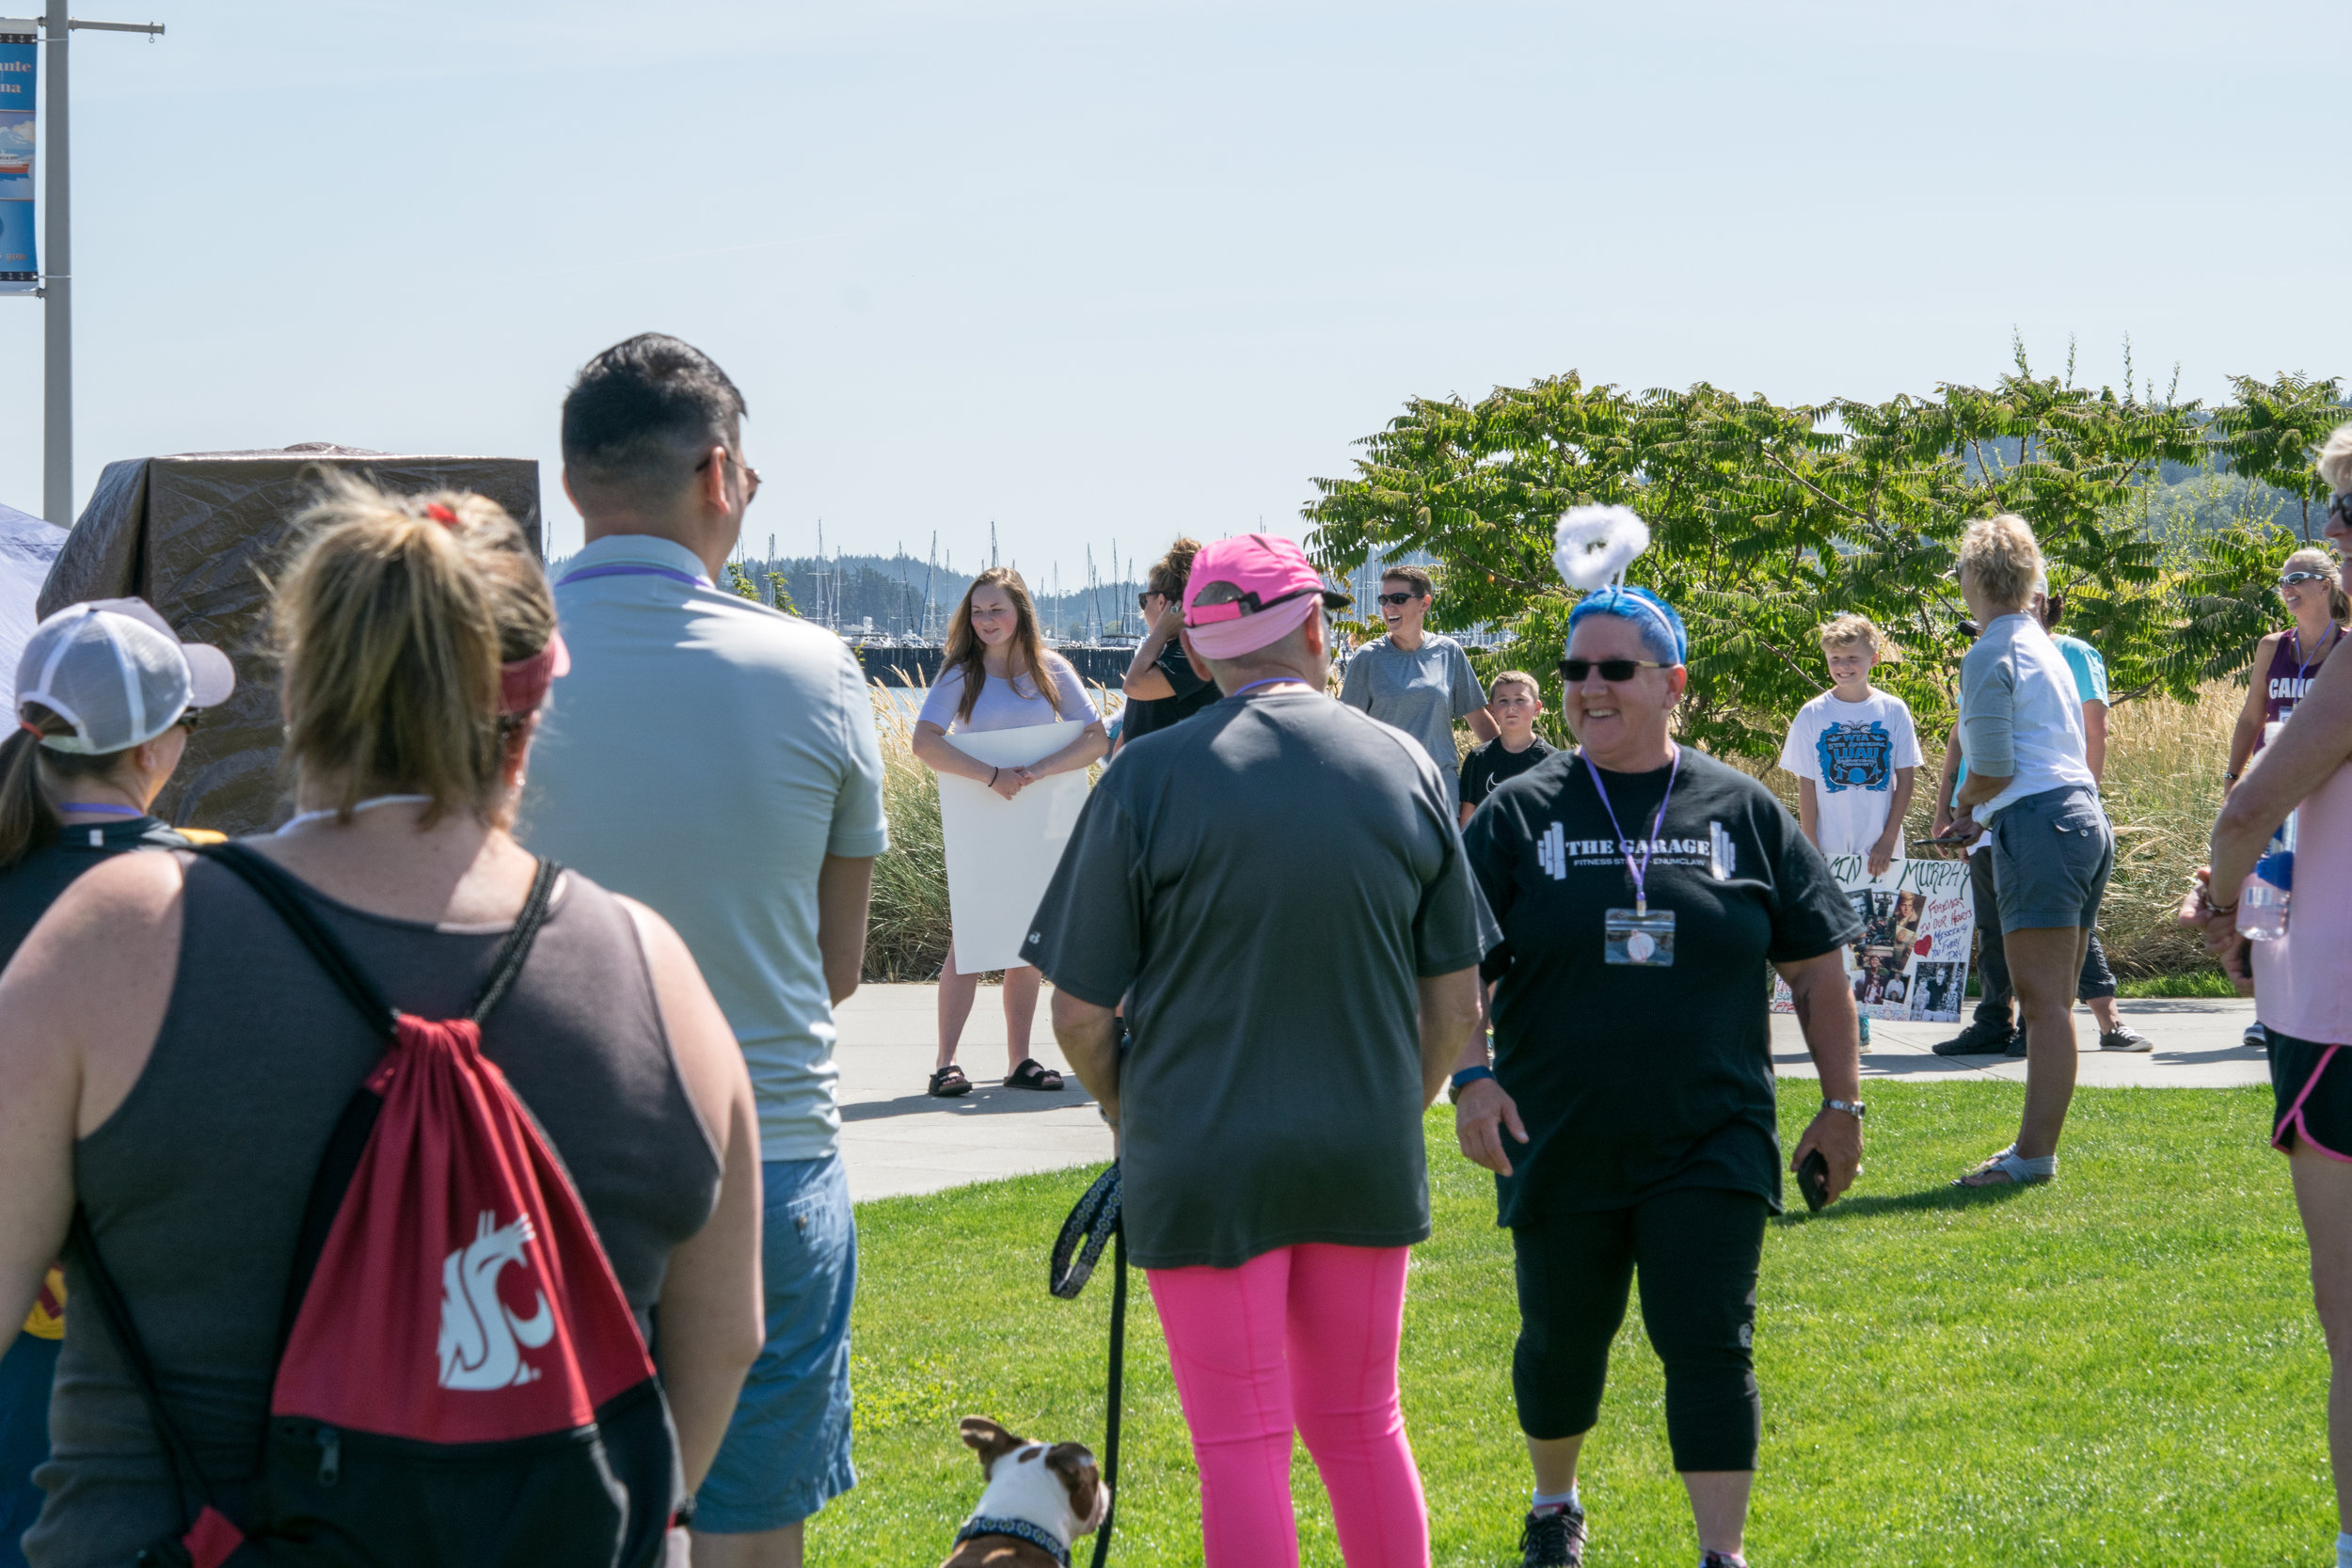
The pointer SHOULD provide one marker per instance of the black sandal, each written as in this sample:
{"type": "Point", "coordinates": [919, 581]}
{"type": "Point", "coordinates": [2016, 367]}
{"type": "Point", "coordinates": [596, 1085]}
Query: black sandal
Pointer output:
{"type": "Point", "coordinates": [1033, 1074]}
{"type": "Point", "coordinates": [950, 1082]}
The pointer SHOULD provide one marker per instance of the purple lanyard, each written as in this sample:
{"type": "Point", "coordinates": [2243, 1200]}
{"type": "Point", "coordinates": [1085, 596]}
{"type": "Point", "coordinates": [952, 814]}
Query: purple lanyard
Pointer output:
{"type": "Point", "coordinates": [1640, 873]}
{"type": "Point", "coordinates": [1270, 680]}
{"type": "Point", "coordinates": [2333, 637]}
{"type": "Point", "coordinates": [101, 808]}
{"type": "Point", "coordinates": [629, 571]}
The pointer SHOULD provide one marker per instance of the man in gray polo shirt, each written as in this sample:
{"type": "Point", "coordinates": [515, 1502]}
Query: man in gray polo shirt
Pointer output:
{"type": "Point", "coordinates": [717, 760]}
{"type": "Point", "coordinates": [1417, 679]}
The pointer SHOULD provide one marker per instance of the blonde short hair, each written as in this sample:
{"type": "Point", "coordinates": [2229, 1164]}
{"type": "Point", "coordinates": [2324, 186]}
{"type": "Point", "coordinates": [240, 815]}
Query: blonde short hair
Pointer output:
{"type": "Point", "coordinates": [393, 626]}
{"type": "Point", "coordinates": [1518, 677]}
{"type": "Point", "coordinates": [1998, 554]}
{"type": "Point", "coordinates": [2335, 459]}
{"type": "Point", "coordinates": [1852, 628]}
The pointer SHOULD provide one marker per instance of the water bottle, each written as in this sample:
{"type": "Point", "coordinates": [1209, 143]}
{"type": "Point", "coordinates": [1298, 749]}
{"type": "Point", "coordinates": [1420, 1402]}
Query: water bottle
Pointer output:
{"type": "Point", "coordinates": [2263, 903]}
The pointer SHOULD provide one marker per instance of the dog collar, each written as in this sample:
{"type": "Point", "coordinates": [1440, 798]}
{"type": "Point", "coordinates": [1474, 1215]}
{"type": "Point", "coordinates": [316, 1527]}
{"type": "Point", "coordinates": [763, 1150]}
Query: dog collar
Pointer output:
{"type": "Point", "coordinates": [1035, 1535]}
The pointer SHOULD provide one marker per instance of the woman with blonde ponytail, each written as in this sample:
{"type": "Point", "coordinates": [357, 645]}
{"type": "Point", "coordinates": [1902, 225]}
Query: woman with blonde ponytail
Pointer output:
{"type": "Point", "coordinates": [2286, 662]}
{"type": "Point", "coordinates": [175, 1059]}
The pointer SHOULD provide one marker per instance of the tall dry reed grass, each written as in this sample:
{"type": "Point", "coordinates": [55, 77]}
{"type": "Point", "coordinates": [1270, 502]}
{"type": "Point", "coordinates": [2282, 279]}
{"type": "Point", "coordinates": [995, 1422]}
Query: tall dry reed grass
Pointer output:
{"type": "Point", "coordinates": [2163, 786]}
{"type": "Point", "coordinates": [908, 932]}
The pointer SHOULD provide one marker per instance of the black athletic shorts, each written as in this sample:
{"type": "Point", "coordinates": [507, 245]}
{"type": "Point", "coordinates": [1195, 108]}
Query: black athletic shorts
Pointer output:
{"type": "Point", "coordinates": [2311, 1087]}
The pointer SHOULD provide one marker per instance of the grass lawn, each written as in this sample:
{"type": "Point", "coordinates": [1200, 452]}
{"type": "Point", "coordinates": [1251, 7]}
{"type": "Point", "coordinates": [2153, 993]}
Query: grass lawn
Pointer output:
{"type": "Point", "coordinates": [2122, 1368]}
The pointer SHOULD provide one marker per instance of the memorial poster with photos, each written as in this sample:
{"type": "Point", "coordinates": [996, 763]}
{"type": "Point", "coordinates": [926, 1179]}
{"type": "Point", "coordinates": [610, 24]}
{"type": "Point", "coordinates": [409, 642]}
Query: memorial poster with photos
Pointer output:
{"type": "Point", "coordinates": [1919, 925]}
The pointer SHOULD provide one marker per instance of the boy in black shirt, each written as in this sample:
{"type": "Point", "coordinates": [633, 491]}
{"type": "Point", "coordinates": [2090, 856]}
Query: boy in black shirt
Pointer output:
{"type": "Point", "coordinates": [1513, 701]}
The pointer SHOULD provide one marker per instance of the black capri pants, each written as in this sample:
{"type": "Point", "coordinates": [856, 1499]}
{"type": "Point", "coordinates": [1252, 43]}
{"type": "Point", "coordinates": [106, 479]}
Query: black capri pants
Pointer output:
{"type": "Point", "coordinates": [1697, 1251]}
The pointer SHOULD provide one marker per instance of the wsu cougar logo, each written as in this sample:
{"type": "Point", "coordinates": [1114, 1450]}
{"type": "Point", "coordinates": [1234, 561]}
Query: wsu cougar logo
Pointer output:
{"type": "Point", "coordinates": [479, 1335]}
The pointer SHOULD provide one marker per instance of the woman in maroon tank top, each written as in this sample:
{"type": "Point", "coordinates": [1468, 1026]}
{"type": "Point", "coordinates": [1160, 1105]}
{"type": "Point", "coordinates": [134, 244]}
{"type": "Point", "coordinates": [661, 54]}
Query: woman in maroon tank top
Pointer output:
{"type": "Point", "coordinates": [2287, 662]}
{"type": "Point", "coordinates": [417, 638]}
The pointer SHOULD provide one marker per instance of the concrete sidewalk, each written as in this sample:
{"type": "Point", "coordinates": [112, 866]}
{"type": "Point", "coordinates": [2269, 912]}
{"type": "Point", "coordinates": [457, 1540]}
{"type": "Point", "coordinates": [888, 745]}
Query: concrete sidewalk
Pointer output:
{"type": "Point", "coordinates": [899, 1140]}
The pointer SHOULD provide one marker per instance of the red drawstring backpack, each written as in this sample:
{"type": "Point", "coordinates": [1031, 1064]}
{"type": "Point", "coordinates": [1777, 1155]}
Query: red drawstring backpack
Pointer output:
{"type": "Point", "coordinates": [460, 1382]}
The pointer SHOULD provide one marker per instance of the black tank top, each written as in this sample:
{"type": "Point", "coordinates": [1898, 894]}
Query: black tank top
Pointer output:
{"type": "Point", "coordinates": [195, 1184]}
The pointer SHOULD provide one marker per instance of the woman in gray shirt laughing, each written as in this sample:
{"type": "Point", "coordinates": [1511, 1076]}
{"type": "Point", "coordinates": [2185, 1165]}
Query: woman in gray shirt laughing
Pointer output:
{"type": "Point", "coordinates": [1418, 680]}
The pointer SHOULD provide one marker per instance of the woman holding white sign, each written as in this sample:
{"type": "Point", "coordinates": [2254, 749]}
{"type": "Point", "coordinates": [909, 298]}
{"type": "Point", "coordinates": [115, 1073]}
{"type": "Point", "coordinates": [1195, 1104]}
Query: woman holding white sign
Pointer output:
{"type": "Point", "coordinates": [997, 867]}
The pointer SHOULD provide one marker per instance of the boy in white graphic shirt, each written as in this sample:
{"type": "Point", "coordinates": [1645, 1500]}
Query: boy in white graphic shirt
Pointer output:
{"type": "Point", "coordinates": [1855, 753]}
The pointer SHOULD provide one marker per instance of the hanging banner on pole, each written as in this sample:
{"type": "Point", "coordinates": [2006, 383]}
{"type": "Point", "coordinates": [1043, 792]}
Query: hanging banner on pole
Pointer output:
{"type": "Point", "coordinates": [1910, 961]}
{"type": "Point", "coordinates": [20, 71]}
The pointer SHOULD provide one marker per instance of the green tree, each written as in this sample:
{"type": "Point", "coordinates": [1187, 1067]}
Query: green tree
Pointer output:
{"type": "Point", "coordinates": [2275, 428]}
{"type": "Point", "coordinates": [1767, 520]}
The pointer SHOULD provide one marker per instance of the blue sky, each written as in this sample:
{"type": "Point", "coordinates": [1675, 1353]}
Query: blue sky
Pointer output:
{"type": "Point", "coordinates": [1108, 270]}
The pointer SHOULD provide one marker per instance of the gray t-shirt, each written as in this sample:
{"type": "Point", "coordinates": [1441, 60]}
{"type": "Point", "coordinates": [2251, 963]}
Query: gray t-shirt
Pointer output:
{"type": "Point", "coordinates": [1420, 692]}
{"type": "Point", "coordinates": [705, 755]}
{"type": "Point", "coordinates": [1263, 882]}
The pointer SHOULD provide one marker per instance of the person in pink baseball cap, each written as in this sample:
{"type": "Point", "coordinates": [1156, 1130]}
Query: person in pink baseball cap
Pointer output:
{"type": "Point", "coordinates": [1246, 592]}
{"type": "Point", "coordinates": [1276, 890]}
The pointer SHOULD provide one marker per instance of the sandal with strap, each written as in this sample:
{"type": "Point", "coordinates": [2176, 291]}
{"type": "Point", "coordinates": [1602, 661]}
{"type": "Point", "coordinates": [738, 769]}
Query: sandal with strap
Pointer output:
{"type": "Point", "coordinates": [1033, 1074]}
{"type": "Point", "coordinates": [948, 1082]}
{"type": "Point", "coordinates": [2009, 1168]}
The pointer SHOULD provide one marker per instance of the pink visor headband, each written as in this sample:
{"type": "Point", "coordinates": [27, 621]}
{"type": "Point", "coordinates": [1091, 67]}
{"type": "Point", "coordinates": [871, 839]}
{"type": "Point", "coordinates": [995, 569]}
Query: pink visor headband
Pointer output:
{"type": "Point", "coordinates": [1229, 630]}
{"type": "Point", "coordinates": [523, 682]}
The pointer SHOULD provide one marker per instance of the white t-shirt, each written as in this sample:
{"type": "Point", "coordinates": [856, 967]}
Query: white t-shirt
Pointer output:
{"type": "Point", "coordinates": [1009, 705]}
{"type": "Point", "coordinates": [2021, 713]}
{"type": "Point", "coordinates": [1851, 751]}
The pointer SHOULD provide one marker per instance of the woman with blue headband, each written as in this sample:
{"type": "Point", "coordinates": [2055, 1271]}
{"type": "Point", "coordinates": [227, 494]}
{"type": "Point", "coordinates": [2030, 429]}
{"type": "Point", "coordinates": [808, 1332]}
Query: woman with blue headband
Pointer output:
{"type": "Point", "coordinates": [1628, 1113]}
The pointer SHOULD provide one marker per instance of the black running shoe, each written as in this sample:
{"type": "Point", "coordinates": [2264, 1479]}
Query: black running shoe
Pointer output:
{"type": "Point", "coordinates": [1553, 1538]}
{"type": "Point", "coordinates": [1978, 1040]}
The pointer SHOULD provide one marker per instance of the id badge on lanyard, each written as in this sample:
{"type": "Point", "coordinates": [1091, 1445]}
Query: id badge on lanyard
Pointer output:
{"type": "Point", "coordinates": [1633, 937]}
{"type": "Point", "coordinates": [1640, 935]}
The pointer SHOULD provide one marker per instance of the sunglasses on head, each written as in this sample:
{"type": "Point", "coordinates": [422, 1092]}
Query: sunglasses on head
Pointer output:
{"type": "Point", "coordinates": [1397, 599]}
{"type": "Point", "coordinates": [2292, 577]}
{"type": "Point", "coordinates": [1611, 669]}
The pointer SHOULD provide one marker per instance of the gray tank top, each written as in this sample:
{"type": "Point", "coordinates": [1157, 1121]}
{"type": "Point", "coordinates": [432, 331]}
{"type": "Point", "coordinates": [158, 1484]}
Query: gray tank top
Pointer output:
{"type": "Point", "coordinates": [195, 1184]}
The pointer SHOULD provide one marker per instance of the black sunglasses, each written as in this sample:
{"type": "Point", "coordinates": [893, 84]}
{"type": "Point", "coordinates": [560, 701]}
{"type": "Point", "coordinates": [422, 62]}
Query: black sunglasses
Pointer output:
{"type": "Point", "coordinates": [190, 718]}
{"type": "Point", "coordinates": [1397, 599]}
{"type": "Point", "coordinates": [1611, 669]}
{"type": "Point", "coordinates": [2340, 507]}
{"type": "Point", "coordinates": [750, 475]}
{"type": "Point", "coordinates": [1143, 600]}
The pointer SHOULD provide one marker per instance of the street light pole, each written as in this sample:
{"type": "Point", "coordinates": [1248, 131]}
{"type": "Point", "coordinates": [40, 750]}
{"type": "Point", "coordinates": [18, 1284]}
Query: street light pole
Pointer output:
{"type": "Point", "coordinates": [57, 436]}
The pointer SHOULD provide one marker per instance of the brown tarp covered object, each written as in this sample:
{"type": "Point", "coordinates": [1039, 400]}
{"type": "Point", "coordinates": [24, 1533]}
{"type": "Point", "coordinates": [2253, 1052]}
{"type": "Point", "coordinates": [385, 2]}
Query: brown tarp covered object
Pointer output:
{"type": "Point", "coordinates": [195, 536]}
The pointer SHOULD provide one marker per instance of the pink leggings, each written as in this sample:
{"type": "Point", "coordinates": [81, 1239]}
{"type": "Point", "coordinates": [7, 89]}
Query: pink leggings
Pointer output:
{"type": "Point", "coordinates": [1303, 1336]}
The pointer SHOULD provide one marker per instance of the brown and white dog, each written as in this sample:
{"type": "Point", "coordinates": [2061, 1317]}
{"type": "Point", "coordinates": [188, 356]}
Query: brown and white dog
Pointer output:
{"type": "Point", "coordinates": [1043, 1498]}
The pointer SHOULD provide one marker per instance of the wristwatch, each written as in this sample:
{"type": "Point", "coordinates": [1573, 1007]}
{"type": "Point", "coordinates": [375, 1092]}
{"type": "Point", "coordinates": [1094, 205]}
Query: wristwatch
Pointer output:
{"type": "Point", "coordinates": [1852, 1107]}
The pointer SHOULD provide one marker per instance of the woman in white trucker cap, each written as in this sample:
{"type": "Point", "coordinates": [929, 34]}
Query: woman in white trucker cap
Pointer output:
{"type": "Point", "coordinates": [105, 697]}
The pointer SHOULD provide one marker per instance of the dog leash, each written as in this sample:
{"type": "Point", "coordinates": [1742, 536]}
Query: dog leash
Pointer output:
{"type": "Point", "coordinates": [1092, 1223]}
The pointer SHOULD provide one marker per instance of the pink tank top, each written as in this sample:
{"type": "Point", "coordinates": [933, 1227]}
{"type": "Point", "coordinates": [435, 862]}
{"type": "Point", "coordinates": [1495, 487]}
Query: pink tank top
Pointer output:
{"type": "Point", "coordinates": [2303, 981]}
{"type": "Point", "coordinates": [2291, 674]}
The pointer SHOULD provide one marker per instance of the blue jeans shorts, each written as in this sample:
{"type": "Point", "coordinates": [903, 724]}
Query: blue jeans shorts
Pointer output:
{"type": "Point", "coordinates": [2051, 856]}
{"type": "Point", "coordinates": [787, 1451]}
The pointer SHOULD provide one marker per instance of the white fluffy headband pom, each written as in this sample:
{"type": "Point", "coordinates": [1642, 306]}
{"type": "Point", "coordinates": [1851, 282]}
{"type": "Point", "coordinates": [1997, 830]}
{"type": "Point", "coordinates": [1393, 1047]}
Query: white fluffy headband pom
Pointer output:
{"type": "Point", "coordinates": [1595, 544]}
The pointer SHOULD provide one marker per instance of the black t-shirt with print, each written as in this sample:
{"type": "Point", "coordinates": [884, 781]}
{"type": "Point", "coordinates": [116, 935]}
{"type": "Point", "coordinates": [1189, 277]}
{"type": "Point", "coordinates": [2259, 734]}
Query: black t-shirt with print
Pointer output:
{"type": "Point", "coordinates": [1157, 713]}
{"type": "Point", "coordinates": [1637, 1080]}
{"type": "Point", "coordinates": [1490, 765]}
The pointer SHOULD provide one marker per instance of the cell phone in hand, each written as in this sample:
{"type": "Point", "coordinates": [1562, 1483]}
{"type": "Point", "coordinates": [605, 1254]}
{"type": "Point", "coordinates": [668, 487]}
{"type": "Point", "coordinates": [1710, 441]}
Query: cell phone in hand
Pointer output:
{"type": "Point", "coordinates": [1813, 1181]}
